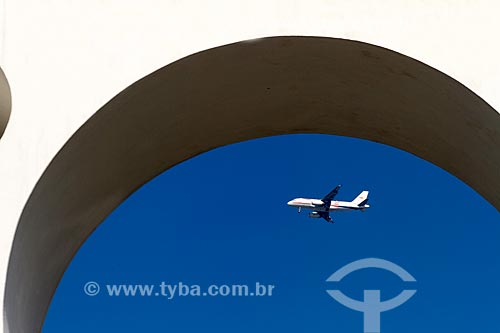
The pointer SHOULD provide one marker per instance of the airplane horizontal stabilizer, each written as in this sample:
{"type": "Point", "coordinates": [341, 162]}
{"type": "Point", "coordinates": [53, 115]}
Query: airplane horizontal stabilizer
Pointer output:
{"type": "Point", "coordinates": [362, 203]}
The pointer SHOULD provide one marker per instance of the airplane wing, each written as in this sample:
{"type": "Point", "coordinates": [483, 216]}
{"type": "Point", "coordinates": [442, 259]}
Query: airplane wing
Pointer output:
{"type": "Point", "coordinates": [327, 199]}
{"type": "Point", "coordinates": [325, 216]}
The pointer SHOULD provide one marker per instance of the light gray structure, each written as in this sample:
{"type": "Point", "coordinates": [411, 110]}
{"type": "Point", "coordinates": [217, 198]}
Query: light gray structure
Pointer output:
{"type": "Point", "coordinates": [238, 92]}
{"type": "Point", "coordinates": [5, 102]}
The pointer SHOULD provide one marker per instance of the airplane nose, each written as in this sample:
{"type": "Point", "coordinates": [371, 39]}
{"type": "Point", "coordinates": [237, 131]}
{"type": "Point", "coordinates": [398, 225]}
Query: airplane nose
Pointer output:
{"type": "Point", "coordinates": [289, 203]}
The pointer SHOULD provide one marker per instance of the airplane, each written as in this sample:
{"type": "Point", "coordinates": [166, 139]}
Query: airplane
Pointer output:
{"type": "Point", "coordinates": [321, 208]}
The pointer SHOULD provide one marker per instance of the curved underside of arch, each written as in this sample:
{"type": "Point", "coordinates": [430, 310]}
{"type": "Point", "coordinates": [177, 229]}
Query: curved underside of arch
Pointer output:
{"type": "Point", "coordinates": [242, 91]}
{"type": "Point", "coordinates": [5, 102]}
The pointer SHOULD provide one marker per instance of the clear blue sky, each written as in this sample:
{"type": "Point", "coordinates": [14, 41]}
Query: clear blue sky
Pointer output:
{"type": "Point", "coordinates": [222, 218]}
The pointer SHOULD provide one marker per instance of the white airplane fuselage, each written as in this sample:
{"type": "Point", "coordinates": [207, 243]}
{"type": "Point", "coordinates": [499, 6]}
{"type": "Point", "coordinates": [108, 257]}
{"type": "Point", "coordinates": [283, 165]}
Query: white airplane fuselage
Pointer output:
{"type": "Point", "coordinates": [317, 205]}
{"type": "Point", "coordinates": [321, 208]}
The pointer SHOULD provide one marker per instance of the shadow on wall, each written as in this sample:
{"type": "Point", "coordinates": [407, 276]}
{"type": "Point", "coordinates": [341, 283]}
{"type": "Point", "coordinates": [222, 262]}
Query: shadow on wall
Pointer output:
{"type": "Point", "coordinates": [5, 102]}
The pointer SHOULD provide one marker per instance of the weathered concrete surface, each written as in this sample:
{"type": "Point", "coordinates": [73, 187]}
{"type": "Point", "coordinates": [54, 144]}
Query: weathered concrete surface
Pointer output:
{"type": "Point", "coordinates": [5, 102]}
{"type": "Point", "coordinates": [234, 93]}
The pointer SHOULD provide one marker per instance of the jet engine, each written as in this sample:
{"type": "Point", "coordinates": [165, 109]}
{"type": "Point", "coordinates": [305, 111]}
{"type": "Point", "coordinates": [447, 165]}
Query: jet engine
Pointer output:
{"type": "Point", "coordinates": [314, 215]}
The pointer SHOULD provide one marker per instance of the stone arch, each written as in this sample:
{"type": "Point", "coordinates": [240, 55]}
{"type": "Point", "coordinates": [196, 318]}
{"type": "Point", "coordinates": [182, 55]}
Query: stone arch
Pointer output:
{"type": "Point", "coordinates": [233, 93]}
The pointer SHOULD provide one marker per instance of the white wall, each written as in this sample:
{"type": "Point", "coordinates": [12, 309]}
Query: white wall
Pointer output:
{"type": "Point", "coordinates": [65, 58]}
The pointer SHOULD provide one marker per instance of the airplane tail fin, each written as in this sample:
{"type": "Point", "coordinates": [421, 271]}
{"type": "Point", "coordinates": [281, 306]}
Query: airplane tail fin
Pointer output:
{"type": "Point", "coordinates": [361, 199]}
